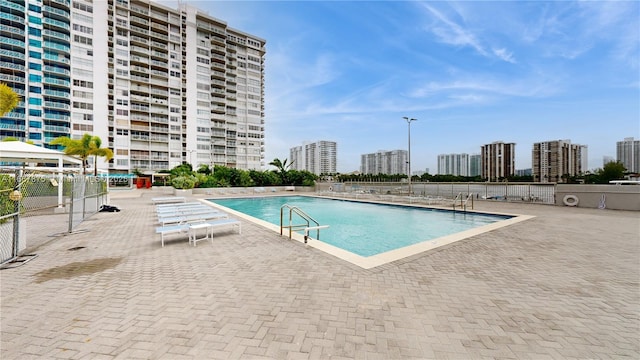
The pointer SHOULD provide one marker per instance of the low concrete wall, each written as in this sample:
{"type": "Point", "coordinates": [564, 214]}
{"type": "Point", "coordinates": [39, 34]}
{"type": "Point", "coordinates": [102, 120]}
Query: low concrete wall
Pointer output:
{"type": "Point", "coordinates": [616, 197]}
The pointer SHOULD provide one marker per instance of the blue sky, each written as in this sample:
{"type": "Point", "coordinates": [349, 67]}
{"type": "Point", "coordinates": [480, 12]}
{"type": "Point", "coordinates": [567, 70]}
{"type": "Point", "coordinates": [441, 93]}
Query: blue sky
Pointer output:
{"type": "Point", "coordinates": [471, 72]}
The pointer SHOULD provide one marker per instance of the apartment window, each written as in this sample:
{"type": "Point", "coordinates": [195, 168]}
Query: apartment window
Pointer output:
{"type": "Point", "coordinates": [35, 101]}
{"type": "Point", "coordinates": [175, 127]}
{"type": "Point", "coordinates": [122, 162]}
{"type": "Point", "coordinates": [83, 29]}
{"type": "Point", "coordinates": [122, 112]}
{"type": "Point", "coordinates": [34, 66]}
{"type": "Point", "coordinates": [35, 31]}
{"type": "Point", "coordinates": [124, 152]}
{"type": "Point", "coordinates": [35, 43]}
{"type": "Point", "coordinates": [82, 105]}
{"type": "Point", "coordinates": [83, 127]}
{"type": "Point", "coordinates": [202, 60]}
{"type": "Point", "coordinates": [174, 109]}
{"type": "Point", "coordinates": [175, 136]}
{"type": "Point", "coordinates": [83, 7]}
{"type": "Point", "coordinates": [35, 55]}
{"type": "Point", "coordinates": [83, 62]}
{"type": "Point", "coordinates": [122, 102]}
{"type": "Point", "coordinates": [35, 113]}
{"type": "Point", "coordinates": [35, 78]}
{"type": "Point", "coordinates": [122, 42]}
{"type": "Point", "coordinates": [35, 20]}
{"type": "Point", "coordinates": [82, 94]}
{"type": "Point", "coordinates": [122, 62]}
{"type": "Point", "coordinates": [122, 132]}
{"type": "Point", "coordinates": [35, 89]}
{"type": "Point", "coordinates": [82, 18]}
{"type": "Point", "coordinates": [82, 73]}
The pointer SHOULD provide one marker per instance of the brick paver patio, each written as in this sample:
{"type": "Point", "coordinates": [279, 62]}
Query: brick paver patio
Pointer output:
{"type": "Point", "coordinates": [565, 284]}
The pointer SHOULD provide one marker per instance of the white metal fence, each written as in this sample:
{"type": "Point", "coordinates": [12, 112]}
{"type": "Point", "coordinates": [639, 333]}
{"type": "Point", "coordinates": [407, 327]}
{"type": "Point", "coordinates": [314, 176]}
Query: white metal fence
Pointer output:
{"type": "Point", "coordinates": [27, 193]}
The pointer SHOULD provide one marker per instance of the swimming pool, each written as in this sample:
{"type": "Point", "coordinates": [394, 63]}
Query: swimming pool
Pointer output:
{"type": "Point", "coordinates": [366, 229]}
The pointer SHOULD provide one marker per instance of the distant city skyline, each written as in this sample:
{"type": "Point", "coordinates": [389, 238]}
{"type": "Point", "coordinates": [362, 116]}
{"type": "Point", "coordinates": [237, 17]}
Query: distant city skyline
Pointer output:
{"type": "Point", "coordinates": [472, 73]}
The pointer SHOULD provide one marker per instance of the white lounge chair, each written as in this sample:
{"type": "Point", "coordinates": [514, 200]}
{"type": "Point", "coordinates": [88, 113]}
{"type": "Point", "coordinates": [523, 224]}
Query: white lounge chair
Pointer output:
{"type": "Point", "coordinates": [185, 227]}
{"type": "Point", "coordinates": [169, 199]}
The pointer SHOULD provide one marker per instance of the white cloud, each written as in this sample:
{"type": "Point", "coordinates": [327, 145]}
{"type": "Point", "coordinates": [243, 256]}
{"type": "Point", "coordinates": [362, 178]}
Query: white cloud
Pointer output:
{"type": "Point", "coordinates": [504, 55]}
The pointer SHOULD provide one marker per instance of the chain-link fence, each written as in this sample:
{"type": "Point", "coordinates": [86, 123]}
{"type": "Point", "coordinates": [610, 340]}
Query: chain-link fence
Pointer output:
{"type": "Point", "coordinates": [36, 204]}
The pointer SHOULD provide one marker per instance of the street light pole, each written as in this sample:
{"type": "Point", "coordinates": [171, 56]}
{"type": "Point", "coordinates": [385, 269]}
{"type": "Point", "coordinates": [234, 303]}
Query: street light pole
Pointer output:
{"type": "Point", "coordinates": [409, 120]}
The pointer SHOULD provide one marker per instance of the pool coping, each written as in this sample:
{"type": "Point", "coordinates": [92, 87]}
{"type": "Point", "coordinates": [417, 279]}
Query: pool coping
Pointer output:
{"type": "Point", "coordinates": [385, 257]}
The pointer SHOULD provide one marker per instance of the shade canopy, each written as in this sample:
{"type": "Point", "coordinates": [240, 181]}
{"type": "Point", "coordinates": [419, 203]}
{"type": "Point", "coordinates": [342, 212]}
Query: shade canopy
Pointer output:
{"type": "Point", "coordinates": [18, 151]}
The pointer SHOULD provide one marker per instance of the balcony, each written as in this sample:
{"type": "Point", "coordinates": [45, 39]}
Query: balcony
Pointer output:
{"type": "Point", "coordinates": [55, 11]}
{"type": "Point", "coordinates": [56, 35]}
{"type": "Point", "coordinates": [56, 23]}
{"type": "Point", "coordinates": [11, 30]}
{"type": "Point", "coordinates": [57, 46]}
{"type": "Point", "coordinates": [56, 58]}
{"type": "Point", "coordinates": [11, 17]}
{"type": "Point", "coordinates": [12, 78]}
{"type": "Point", "coordinates": [57, 70]}
{"type": "Point", "coordinates": [12, 127]}
{"type": "Point", "coordinates": [12, 42]}
{"type": "Point", "coordinates": [55, 81]}
{"type": "Point", "coordinates": [55, 93]}
{"type": "Point", "coordinates": [56, 105]}
{"type": "Point", "coordinates": [58, 129]}
{"type": "Point", "coordinates": [10, 65]}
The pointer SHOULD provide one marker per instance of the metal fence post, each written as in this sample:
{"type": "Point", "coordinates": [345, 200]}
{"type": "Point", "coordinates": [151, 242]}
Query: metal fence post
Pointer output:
{"type": "Point", "coordinates": [71, 207]}
{"type": "Point", "coordinates": [16, 218]}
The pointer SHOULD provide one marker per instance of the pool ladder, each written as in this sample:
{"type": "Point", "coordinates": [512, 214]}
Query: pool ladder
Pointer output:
{"type": "Point", "coordinates": [307, 226]}
{"type": "Point", "coordinates": [463, 202]}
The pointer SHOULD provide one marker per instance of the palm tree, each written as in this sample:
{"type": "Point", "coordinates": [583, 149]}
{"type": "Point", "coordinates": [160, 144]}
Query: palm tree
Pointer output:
{"type": "Point", "coordinates": [282, 168]}
{"type": "Point", "coordinates": [84, 147]}
{"type": "Point", "coordinates": [97, 150]}
{"type": "Point", "coordinates": [9, 99]}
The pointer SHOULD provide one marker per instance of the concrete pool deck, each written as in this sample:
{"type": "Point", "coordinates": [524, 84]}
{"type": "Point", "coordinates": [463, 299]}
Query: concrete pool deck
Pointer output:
{"type": "Point", "coordinates": [563, 284]}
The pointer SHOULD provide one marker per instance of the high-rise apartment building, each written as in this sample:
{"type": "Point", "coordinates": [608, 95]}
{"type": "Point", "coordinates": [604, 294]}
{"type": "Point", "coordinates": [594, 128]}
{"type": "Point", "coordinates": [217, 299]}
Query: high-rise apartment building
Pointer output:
{"type": "Point", "coordinates": [555, 161]}
{"type": "Point", "coordinates": [475, 165]}
{"type": "Point", "coordinates": [453, 164]}
{"type": "Point", "coordinates": [160, 86]}
{"type": "Point", "coordinates": [628, 153]}
{"type": "Point", "coordinates": [459, 164]}
{"type": "Point", "coordinates": [498, 160]}
{"type": "Point", "coordinates": [384, 162]}
{"type": "Point", "coordinates": [318, 157]}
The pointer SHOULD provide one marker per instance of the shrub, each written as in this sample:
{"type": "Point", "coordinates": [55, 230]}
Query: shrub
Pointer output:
{"type": "Point", "coordinates": [184, 182]}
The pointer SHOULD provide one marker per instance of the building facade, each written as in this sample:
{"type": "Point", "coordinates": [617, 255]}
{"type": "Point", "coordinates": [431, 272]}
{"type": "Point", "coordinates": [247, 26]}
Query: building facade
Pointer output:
{"type": "Point", "coordinates": [628, 153]}
{"type": "Point", "coordinates": [475, 165]}
{"type": "Point", "coordinates": [318, 157]}
{"type": "Point", "coordinates": [460, 164]}
{"type": "Point", "coordinates": [159, 86]}
{"type": "Point", "coordinates": [556, 161]}
{"type": "Point", "coordinates": [498, 160]}
{"type": "Point", "coordinates": [385, 162]}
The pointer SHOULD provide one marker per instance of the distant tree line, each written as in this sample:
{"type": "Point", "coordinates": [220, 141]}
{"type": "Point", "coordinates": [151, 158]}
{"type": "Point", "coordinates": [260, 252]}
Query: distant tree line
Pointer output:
{"type": "Point", "coordinates": [184, 177]}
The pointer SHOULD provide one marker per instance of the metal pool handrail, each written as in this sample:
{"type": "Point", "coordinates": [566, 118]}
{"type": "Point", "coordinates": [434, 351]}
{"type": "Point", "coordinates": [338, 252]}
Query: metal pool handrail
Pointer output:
{"type": "Point", "coordinates": [308, 219]}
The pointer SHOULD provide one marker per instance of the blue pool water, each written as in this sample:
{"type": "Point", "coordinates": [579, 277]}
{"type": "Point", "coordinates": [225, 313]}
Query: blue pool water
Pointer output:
{"type": "Point", "coordinates": [363, 228]}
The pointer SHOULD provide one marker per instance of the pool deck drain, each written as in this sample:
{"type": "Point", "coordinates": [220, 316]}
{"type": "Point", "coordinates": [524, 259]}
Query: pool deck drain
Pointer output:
{"type": "Point", "coordinates": [563, 284]}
